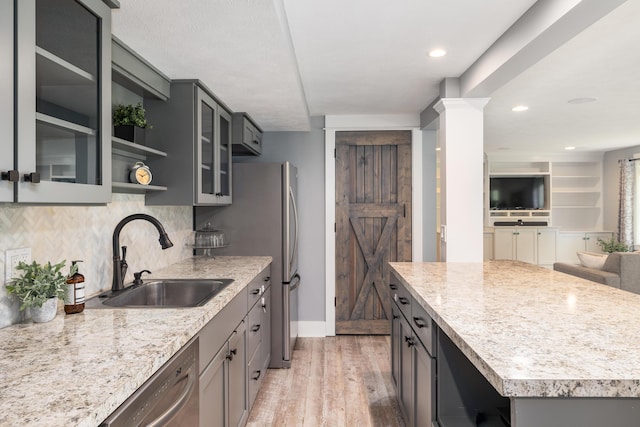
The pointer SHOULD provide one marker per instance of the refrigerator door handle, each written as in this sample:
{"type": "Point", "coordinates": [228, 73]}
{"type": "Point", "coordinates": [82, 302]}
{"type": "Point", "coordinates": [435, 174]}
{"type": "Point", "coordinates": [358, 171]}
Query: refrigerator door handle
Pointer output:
{"type": "Point", "coordinates": [295, 283]}
{"type": "Point", "coordinates": [295, 238]}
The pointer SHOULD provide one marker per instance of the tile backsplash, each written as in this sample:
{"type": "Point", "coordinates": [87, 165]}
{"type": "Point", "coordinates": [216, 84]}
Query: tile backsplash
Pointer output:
{"type": "Point", "coordinates": [56, 233]}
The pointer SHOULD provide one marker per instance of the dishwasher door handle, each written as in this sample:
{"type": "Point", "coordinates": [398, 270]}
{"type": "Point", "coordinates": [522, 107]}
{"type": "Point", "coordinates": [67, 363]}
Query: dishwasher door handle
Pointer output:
{"type": "Point", "coordinates": [179, 403]}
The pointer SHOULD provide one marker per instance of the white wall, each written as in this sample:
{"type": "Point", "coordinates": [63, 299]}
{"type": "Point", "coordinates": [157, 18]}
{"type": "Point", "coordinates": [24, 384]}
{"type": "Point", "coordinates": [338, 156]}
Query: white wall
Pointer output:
{"type": "Point", "coordinates": [305, 150]}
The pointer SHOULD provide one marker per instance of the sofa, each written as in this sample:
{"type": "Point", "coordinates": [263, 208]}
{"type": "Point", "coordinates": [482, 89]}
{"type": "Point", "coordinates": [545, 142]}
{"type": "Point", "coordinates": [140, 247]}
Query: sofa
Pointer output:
{"type": "Point", "coordinates": [620, 270]}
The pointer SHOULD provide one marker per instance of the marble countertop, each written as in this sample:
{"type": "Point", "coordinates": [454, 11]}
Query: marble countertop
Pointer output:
{"type": "Point", "coordinates": [77, 369]}
{"type": "Point", "coordinates": [534, 332]}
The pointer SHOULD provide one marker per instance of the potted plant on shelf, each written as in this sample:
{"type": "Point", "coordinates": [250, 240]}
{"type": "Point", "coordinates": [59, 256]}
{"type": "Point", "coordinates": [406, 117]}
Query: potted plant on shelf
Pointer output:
{"type": "Point", "coordinates": [129, 122]}
{"type": "Point", "coordinates": [613, 245]}
{"type": "Point", "coordinates": [39, 287]}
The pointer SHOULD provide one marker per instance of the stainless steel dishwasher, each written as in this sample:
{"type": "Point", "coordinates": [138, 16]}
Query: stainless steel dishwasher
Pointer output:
{"type": "Point", "coordinates": [168, 398]}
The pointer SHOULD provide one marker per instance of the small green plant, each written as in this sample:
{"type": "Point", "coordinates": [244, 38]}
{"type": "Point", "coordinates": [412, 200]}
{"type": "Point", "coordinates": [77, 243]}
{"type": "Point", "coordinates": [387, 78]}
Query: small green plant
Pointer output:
{"type": "Point", "coordinates": [613, 245]}
{"type": "Point", "coordinates": [39, 283]}
{"type": "Point", "coordinates": [124, 115]}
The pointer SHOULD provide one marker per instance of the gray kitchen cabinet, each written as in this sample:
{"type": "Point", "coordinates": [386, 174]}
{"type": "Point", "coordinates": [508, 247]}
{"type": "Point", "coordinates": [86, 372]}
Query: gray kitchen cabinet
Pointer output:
{"type": "Point", "coordinates": [413, 366]}
{"type": "Point", "coordinates": [258, 343]}
{"type": "Point", "coordinates": [194, 129]}
{"type": "Point", "coordinates": [247, 136]}
{"type": "Point", "coordinates": [221, 351]}
{"type": "Point", "coordinates": [6, 100]}
{"type": "Point", "coordinates": [232, 361]}
{"type": "Point", "coordinates": [63, 98]}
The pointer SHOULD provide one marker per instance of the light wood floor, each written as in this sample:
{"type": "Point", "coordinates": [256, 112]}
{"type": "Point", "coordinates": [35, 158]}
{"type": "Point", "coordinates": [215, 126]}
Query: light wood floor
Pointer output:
{"type": "Point", "coordinates": [333, 381]}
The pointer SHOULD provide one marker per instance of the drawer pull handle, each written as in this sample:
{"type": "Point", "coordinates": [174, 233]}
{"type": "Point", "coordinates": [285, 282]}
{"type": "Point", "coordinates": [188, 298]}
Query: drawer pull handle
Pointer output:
{"type": "Point", "coordinates": [231, 354]}
{"type": "Point", "coordinates": [409, 341]}
{"type": "Point", "coordinates": [403, 300]}
{"type": "Point", "coordinates": [420, 323]}
{"type": "Point", "coordinates": [393, 287]}
{"type": "Point", "coordinates": [255, 291]}
{"type": "Point", "coordinates": [267, 278]}
{"type": "Point", "coordinates": [257, 376]}
{"type": "Point", "coordinates": [255, 328]}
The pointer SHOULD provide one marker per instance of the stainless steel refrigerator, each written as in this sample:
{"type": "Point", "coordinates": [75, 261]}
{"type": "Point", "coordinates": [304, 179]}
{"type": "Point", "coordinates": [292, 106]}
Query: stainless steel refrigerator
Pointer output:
{"type": "Point", "coordinates": [263, 220]}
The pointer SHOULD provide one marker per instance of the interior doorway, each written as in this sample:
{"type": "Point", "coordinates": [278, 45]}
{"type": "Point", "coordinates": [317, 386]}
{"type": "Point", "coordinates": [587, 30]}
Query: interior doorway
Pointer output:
{"type": "Point", "coordinates": [373, 178]}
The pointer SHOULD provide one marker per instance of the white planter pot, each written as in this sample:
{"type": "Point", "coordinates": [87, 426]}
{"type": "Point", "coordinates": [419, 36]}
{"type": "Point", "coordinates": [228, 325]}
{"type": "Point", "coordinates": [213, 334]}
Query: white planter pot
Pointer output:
{"type": "Point", "coordinates": [47, 312]}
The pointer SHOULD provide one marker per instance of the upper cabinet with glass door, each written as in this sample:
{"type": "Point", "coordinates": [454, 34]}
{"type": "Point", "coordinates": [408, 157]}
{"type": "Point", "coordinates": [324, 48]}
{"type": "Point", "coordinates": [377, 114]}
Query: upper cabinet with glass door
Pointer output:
{"type": "Point", "coordinates": [7, 171]}
{"type": "Point", "coordinates": [63, 101]}
{"type": "Point", "coordinates": [195, 131]}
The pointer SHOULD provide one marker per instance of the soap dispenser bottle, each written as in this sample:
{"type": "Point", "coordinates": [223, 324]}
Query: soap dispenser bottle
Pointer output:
{"type": "Point", "coordinates": [74, 302]}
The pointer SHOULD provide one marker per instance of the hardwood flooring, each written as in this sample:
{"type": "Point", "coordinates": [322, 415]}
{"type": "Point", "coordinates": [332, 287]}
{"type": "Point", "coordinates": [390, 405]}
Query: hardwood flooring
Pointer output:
{"type": "Point", "coordinates": [333, 381]}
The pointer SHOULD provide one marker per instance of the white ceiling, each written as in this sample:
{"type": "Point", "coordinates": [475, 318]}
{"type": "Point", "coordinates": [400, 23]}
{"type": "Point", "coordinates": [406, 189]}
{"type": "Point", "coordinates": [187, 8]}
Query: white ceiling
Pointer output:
{"type": "Point", "coordinates": [284, 60]}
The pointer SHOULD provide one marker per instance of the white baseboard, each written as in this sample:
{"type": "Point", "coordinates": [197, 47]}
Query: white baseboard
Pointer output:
{"type": "Point", "coordinates": [312, 329]}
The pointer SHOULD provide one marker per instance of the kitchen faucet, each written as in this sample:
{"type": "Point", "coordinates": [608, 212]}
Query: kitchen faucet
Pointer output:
{"type": "Point", "coordinates": [120, 265]}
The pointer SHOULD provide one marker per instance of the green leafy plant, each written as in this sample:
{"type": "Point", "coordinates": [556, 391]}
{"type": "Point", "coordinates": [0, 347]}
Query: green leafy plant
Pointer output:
{"type": "Point", "coordinates": [39, 283]}
{"type": "Point", "coordinates": [613, 245]}
{"type": "Point", "coordinates": [124, 115]}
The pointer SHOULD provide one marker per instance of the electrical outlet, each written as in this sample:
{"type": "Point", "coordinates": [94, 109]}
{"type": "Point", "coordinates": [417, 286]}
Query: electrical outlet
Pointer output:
{"type": "Point", "coordinates": [12, 258]}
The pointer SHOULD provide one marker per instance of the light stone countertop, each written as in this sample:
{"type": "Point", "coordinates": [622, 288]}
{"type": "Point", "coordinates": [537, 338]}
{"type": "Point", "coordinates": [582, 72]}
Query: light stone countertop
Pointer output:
{"type": "Point", "coordinates": [534, 332]}
{"type": "Point", "coordinates": [77, 369]}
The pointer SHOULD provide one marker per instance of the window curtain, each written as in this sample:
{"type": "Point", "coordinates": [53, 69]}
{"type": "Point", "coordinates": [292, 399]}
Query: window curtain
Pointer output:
{"type": "Point", "coordinates": [627, 190]}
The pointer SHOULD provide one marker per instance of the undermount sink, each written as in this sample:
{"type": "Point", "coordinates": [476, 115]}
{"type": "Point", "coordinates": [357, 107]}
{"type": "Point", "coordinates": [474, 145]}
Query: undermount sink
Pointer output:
{"type": "Point", "coordinates": [165, 293]}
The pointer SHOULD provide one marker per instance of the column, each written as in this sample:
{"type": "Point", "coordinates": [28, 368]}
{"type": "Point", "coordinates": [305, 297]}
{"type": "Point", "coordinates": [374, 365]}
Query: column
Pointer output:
{"type": "Point", "coordinates": [460, 138]}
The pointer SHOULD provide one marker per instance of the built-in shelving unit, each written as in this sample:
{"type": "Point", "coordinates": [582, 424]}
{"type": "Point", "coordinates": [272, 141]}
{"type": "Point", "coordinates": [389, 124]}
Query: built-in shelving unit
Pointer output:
{"type": "Point", "coordinates": [574, 193]}
{"type": "Point", "coordinates": [134, 80]}
{"type": "Point", "coordinates": [521, 169]}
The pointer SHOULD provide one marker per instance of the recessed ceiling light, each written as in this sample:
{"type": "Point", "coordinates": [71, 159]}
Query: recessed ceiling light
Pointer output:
{"type": "Point", "coordinates": [520, 108]}
{"type": "Point", "coordinates": [569, 148]}
{"type": "Point", "coordinates": [437, 53]}
{"type": "Point", "coordinates": [581, 100]}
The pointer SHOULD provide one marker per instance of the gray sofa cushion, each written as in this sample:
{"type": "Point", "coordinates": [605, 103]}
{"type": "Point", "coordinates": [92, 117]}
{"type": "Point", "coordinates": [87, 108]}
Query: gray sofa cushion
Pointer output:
{"type": "Point", "coordinates": [612, 264]}
{"type": "Point", "coordinates": [599, 276]}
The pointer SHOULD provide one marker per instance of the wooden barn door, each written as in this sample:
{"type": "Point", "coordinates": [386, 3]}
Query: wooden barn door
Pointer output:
{"type": "Point", "coordinates": [373, 225]}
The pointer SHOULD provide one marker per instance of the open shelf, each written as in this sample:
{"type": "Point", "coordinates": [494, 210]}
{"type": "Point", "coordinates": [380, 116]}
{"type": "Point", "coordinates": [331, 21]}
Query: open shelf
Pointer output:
{"type": "Point", "coordinates": [54, 71]}
{"type": "Point", "coordinates": [134, 148]}
{"type": "Point", "coordinates": [127, 187]}
{"type": "Point", "coordinates": [63, 126]}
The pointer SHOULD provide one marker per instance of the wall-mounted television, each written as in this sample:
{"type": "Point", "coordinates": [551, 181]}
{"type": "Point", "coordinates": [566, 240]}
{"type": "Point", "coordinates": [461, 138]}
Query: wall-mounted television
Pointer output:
{"type": "Point", "coordinates": [511, 193]}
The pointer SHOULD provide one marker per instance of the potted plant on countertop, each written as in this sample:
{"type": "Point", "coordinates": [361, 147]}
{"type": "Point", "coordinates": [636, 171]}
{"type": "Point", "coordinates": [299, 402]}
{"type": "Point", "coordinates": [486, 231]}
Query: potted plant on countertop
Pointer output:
{"type": "Point", "coordinates": [129, 122]}
{"type": "Point", "coordinates": [613, 245]}
{"type": "Point", "coordinates": [39, 287]}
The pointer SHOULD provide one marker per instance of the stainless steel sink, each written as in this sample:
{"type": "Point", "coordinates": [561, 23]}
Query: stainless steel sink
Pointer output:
{"type": "Point", "coordinates": [165, 293]}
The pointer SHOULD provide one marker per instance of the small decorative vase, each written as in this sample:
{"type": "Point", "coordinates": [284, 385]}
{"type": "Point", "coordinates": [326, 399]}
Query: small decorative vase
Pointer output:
{"type": "Point", "coordinates": [47, 312]}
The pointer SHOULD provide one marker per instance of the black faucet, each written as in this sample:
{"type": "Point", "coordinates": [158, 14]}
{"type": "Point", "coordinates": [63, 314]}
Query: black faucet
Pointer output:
{"type": "Point", "coordinates": [120, 265]}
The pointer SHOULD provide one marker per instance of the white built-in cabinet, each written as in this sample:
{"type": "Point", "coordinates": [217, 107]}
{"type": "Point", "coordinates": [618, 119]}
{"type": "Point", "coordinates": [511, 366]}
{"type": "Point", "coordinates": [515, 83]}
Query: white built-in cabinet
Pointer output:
{"type": "Point", "coordinates": [569, 243]}
{"type": "Point", "coordinates": [535, 245]}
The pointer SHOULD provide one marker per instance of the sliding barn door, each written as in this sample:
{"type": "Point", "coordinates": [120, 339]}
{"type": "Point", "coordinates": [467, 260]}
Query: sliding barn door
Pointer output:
{"type": "Point", "coordinates": [373, 225]}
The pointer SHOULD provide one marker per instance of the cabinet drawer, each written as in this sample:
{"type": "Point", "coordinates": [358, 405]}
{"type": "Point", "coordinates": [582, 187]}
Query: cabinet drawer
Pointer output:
{"type": "Point", "coordinates": [423, 326]}
{"type": "Point", "coordinates": [254, 329]}
{"type": "Point", "coordinates": [257, 287]}
{"type": "Point", "coordinates": [402, 297]}
{"type": "Point", "coordinates": [256, 376]}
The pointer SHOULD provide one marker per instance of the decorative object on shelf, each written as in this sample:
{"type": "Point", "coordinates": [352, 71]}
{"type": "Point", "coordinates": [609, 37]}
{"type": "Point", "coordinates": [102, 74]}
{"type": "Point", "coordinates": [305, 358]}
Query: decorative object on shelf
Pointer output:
{"type": "Point", "coordinates": [140, 174]}
{"type": "Point", "coordinates": [39, 287]}
{"type": "Point", "coordinates": [129, 122]}
{"type": "Point", "coordinates": [613, 245]}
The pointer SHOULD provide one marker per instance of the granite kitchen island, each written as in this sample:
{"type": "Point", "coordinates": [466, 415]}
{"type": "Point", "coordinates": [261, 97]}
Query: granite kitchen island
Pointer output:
{"type": "Point", "coordinates": [541, 347]}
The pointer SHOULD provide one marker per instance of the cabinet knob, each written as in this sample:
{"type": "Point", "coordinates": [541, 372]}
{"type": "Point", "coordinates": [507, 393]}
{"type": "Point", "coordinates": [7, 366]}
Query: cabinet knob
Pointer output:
{"type": "Point", "coordinates": [33, 177]}
{"type": "Point", "coordinates": [11, 176]}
